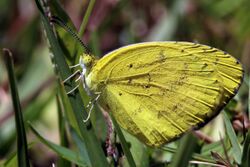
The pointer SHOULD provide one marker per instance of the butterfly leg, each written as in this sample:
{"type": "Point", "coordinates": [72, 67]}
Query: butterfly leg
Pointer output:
{"type": "Point", "coordinates": [72, 90]}
{"type": "Point", "coordinates": [72, 75]}
{"type": "Point", "coordinates": [81, 78]}
{"type": "Point", "coordinates": [91, 103]}
{"type": "Point", "coordinates": [74, 66]}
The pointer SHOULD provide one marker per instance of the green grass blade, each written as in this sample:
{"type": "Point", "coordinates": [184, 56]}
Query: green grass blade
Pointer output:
{"type": "Point", "coordinates": [61, 151]}
{"type": "Point", "coordinates": [237, 152]}
{"type": "Point", "coordinates": [138, 150]}
{"type": "Point", "coordinates": [246, 152]}
{"type": "Point", "coordinates": [69, 114]}
{"type": "Point", "coordinates": [71, 47]}
{"type": "Point", "coordinates": [195, 156]}
{"type": "Point", "coordinates": [94, 43]}
{"type": "Point", "coordinates": [185, 150]}
{"type": "Point", "coordinates": [86, 17]}
{"type": "Point", "coordinates": [124, 143]}
{"type": "Point", "coordinates": [80, 145]}
{"type": "Point", "coordinates": [93, 146]}
{"type": "Point", "coordinates": [22, 149]}
{"type": "Point", "coordinates": [11, 161]}
{"type": "Point", "coordinates": [167, 26]}
{"type": "Point", "coordinates": [62, 133]}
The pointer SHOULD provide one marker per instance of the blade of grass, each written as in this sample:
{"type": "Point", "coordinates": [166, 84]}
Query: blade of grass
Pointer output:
{"type": "Point", "coordinates": [80, 145]}
{"type": "Point", "coordinates": [61, 151]}
{"type": "Point", "coordinates": [93, 146]}
{"type": "Point", "coordinates": [22, 149]}
{"type": "Point", "coordinates": [249, 96]}
{"type": "Point", "coordinates": [184, 153]}
{"type": "Point", "coordinates": [37, 105]}
{"type": "Point", "coordinates": [246, 152]}
{"type": "Point", "coordinates": [216, 147]}
{"type": "Point", "coordinates": [70, 46]}
{"type": "Point", "coordinates": [138, 150]}
{"type": "Point", "coordinates": [123, 143]}
{"type": "Point", "coordinates": [62, 133]}
{"type": "Point", "coordinates": [237, 152]}
{"type": "Point", "coordinates": [11, 161]}
{"type": "Point", "coordinates": [94, 43]}
{"type": "Point", "coordinates": [195, 156]}
{"type": "Point", "coordinates": [74, 129]}
{"type": "Point", "coordinates": [167, 26]}
{"type": "Point", "coordinates": [86, 17]}
{"type": "Point", "coordinates": [69, 114]}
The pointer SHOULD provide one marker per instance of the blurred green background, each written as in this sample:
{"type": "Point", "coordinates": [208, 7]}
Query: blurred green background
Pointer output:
{"type": "Point", "coordinates": [223, 24]}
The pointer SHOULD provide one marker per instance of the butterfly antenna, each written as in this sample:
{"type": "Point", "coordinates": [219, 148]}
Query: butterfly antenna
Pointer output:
{"type": "Point", "coordinates": [60, 22]}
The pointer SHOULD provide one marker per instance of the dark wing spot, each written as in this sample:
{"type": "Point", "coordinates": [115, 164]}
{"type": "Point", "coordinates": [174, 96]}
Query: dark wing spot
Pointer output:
{"type": "Point", "coordinates": [120, 93]}
{"type": "Point", "coordinates": [149, 77]}
{"type": "Point", "coordinates": [130, 65]}
{"type": "Point", "coordinates": [235, 90]}
{"type": "Point", "coordinates": [204, 65]}
{"type": "Point", "coordinates": [175, 107]}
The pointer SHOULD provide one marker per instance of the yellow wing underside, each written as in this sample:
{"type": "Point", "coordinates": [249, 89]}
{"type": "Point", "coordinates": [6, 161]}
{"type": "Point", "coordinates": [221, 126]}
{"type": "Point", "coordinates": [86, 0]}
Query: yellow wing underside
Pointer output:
{"type": "Point", "coordinates": [159, 90]}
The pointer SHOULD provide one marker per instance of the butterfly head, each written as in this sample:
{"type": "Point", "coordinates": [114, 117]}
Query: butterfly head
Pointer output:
{"type": "Point", "coordinates": [86, 62]}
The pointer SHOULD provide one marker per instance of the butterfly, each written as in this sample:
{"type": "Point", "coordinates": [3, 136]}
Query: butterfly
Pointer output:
{"type": "Point", "coordinates": [157, 91]}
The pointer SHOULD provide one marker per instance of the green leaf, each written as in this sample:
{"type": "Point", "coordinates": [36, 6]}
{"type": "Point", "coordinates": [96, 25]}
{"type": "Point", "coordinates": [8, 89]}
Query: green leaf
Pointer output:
{"type": "Point", "coordinates": [70, 46]}
{"type": "Point", "coordinates": [246, 152]}
{"type": "Point", "coordinates": [215, 147]}
{"type": "Point", "coordinates": [93, 145]}
{"type": "Point", "coordinates": [62, 133]}
{"type": "Point", "coordinates": [86, 17]}
{"type": "Point", "coordinates": [69, 114]}
{"type": "Point", "coordinates": [123, 143]}
{"type": "Point", "coordinates": [195, 156]}
{"type": "Point", "coordinates": [138, 150]}
{"type": "Point", "coordinates": [167, 26]}
{"type": "Point", "coordinates": [185, 150]}
{"type": "Point", "coordinates": [236, 150]}
{"type": "Point", "coordinates": [11, 161]}
{"type": "Point", "coordinates": [22, 149]}
{"type": "Point", "coordinates": [80, 145]}
{"type": "Point", "coordinates": [61, 151]}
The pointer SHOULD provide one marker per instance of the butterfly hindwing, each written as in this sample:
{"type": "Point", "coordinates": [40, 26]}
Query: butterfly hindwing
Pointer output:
{"type": "Point", "coordinates": [159, 90]}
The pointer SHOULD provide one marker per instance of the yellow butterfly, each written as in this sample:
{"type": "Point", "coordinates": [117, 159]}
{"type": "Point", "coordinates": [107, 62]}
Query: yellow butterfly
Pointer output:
{"type": "Point", "coordinates": [159, 90]}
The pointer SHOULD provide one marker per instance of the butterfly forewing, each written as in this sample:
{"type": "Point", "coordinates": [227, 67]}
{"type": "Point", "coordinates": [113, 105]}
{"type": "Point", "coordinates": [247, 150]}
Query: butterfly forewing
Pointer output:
{"type": "Point", "coordinates": [159, 90]}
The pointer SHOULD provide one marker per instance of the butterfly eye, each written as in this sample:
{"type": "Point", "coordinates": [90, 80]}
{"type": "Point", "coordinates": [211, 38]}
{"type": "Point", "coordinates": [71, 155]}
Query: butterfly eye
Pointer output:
{"type": "Point", "coordinates": [87, 61]}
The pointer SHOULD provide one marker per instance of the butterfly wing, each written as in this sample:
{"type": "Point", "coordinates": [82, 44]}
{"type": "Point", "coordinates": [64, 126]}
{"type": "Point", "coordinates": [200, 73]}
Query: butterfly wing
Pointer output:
{"type": "Point", "coordinates": [159, 90]}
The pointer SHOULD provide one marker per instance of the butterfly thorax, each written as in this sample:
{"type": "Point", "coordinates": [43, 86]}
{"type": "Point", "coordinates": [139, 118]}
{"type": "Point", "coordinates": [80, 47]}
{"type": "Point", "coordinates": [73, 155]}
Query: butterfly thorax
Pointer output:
{"type": "Point", "coordinates": [93, 83]}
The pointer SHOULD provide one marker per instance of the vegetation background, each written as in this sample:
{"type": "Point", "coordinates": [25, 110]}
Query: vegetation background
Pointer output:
{"type": "Point", "coordinates": [55, 132]}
